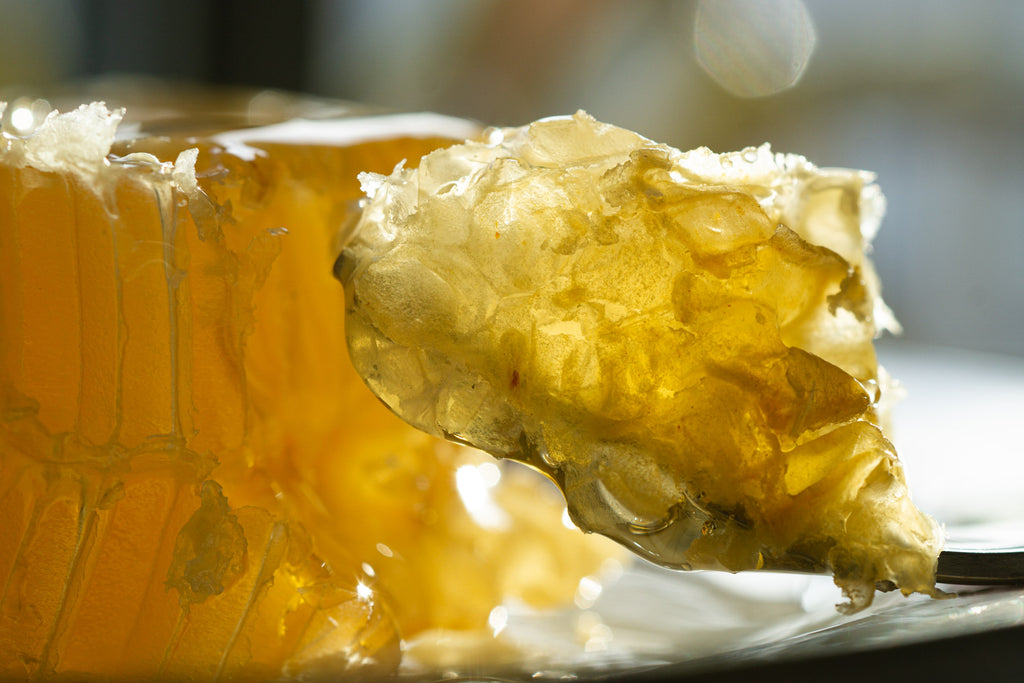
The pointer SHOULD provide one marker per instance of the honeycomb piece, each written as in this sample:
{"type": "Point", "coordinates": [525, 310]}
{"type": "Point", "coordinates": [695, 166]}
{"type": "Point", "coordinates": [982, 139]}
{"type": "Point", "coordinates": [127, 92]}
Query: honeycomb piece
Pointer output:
{"type": "Point", "coordinates": [194, 483]}
{"type": "Point", "coordinates": [682, 341]}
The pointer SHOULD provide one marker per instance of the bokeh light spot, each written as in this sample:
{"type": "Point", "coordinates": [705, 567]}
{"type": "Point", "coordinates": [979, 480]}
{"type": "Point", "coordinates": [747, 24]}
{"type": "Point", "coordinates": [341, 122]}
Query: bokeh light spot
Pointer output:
{"type": "Point", "coordinates": [753, 48]}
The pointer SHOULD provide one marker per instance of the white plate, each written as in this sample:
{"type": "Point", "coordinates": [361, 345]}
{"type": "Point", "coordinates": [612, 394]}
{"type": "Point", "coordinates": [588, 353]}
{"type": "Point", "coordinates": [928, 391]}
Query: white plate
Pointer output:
{"type": "Point", "coordinates": [957, 431]}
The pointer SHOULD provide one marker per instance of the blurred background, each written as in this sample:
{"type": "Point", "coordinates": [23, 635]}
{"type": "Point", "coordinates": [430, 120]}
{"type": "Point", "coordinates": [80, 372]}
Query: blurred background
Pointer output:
{"type": "Point", "coordinates": [930, 95]}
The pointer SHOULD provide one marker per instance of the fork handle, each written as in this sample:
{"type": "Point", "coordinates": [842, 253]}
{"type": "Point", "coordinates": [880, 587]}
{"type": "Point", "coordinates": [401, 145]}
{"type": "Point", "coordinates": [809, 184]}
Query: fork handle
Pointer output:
{"type": "Point", "coordinates": [988, 567]}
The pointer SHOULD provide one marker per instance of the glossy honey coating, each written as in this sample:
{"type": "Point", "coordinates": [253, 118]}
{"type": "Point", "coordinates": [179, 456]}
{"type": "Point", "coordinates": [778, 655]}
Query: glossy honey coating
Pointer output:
{"type": "Point", "coordinates": [194, 483]}
{"type": "Point", "coordinates": [683, 341]}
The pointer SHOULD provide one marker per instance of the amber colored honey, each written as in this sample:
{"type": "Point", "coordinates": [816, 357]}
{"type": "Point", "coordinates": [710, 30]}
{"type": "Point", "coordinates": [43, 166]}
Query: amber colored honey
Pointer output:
{"type": "Point", "coordinates": [193, 481]}
{"type": "Point", "coordinates": [682, 340]}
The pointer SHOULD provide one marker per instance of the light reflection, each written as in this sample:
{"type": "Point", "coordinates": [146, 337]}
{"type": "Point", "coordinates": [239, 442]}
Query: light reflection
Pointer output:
{"type": "Point", "coordinates": [363, 592]}
{"type": "Point", "coordinates": [474, 484]}
{"type": "Point", "coordinates": [497, 619]}
{"type": "Point", "coordinates": [22, 120]}
{"type": "Point", "coordinates": [567, 520]}
{"type": "Point", "coordinates": [601, 637]}
{"type": "Point", "coordinates": [587, 592]}
{"type": "Point", "coordinates": [24, 116]}
{"type": "Point", "coordinates": [593, 632]}
{"type": "Point", "coordinates": [611, 570]}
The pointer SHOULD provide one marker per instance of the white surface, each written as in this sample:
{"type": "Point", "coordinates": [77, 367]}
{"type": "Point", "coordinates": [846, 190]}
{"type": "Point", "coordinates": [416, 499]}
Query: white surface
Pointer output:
{"type": "Point", "coordinates": [958, 433]}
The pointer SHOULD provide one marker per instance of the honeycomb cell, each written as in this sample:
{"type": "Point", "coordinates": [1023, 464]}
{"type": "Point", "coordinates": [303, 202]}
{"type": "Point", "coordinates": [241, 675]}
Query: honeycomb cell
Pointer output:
{"type": "Point", "coordinates": [682, 341]}
{"type": "Point", "coordinates": [194, 483]}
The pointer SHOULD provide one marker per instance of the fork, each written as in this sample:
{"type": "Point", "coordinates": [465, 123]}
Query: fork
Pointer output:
{"type": "Point", "coordinates": [981, 567]}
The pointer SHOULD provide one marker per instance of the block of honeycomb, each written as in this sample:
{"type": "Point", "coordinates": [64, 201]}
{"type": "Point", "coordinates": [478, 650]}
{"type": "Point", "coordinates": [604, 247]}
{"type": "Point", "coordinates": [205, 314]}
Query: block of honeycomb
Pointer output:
{"type": "Point", "coordinates": [194, 483]}
{"type": "Point", "coordinates": [682, 341]}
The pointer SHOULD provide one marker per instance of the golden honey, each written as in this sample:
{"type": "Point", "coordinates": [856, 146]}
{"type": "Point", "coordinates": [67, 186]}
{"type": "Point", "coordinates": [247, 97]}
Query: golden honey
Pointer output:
{"type": "Point", "coordinates": [683, 341]}
{"type": "Point", "coordinates": [194, 483]}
